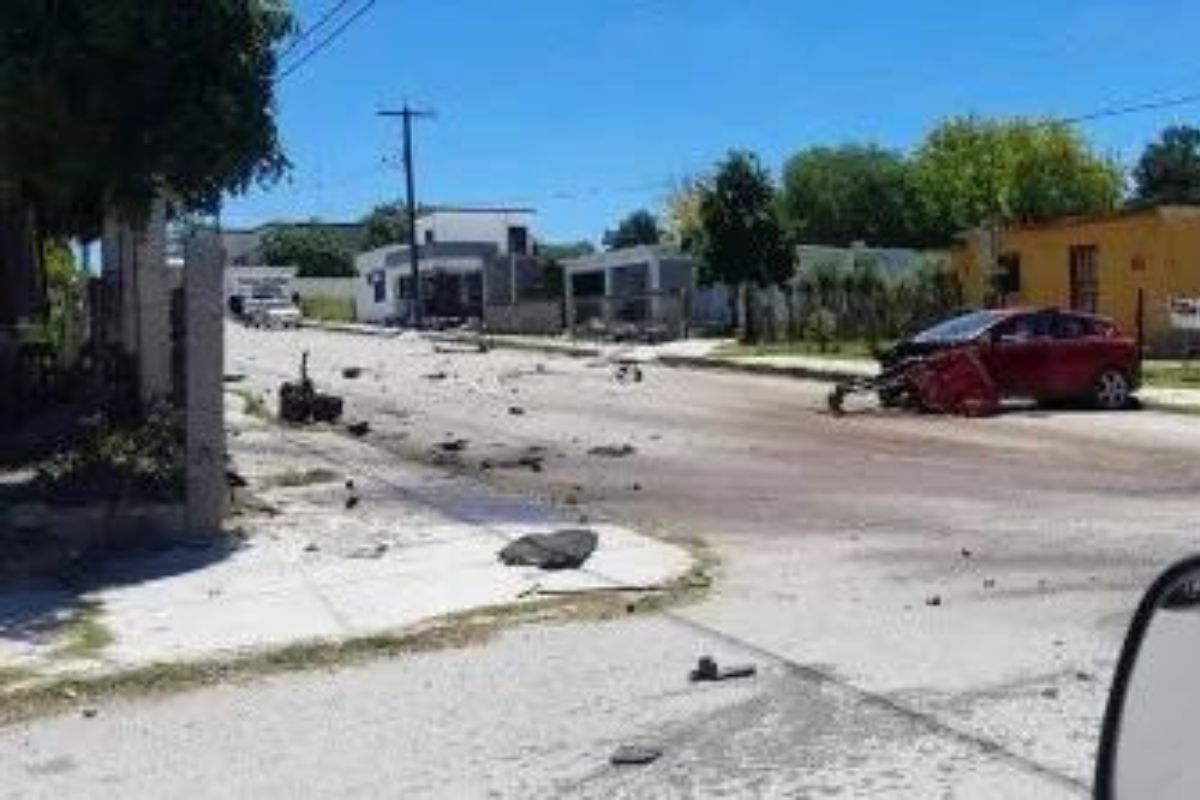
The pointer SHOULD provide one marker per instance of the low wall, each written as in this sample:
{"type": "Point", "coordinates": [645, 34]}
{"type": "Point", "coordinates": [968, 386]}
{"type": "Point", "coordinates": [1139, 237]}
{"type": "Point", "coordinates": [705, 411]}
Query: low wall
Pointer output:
{"type": "Point", "coordinates": [537, 317]}
{"type": "Point", "coordinates": [343, 288]}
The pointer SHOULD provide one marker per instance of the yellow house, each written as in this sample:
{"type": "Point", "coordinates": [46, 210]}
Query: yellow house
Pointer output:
{"type": "Point", "coordinates": [1097, 264]}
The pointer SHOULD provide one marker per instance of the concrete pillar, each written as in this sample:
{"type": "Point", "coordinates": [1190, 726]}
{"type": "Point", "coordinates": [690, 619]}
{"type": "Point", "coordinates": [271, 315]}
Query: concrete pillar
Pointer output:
{"type": "Point", "coordinates": [134, 256]}
{"type": "Point", "coordinates": [153, 292]}
{"type": "Point", "coordinates": [204, 314]}
{"type": "Point", "coordinates": [654, 279]}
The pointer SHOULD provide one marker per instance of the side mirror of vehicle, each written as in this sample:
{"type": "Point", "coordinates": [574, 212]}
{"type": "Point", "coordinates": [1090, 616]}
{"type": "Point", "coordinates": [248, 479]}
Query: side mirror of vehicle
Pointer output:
{"type": "Point", "coordinates": [1148, 746]}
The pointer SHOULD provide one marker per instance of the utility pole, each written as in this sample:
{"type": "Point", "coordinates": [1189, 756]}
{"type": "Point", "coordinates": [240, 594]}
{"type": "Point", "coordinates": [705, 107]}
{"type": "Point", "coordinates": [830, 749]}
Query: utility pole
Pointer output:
{"type": "Point", "coordinates": [407, 114]}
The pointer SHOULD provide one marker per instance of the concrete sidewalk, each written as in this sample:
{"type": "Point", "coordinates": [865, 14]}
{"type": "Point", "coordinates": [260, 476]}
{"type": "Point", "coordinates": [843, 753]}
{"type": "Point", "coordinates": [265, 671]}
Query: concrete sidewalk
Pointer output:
{"type": "Point", "coordinates": [415, 545]}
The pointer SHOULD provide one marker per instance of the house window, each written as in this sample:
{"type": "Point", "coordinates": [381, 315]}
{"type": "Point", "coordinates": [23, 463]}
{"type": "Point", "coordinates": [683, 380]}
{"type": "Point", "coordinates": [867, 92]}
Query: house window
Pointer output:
{"type": "Point", "coordinates": [1008, 274]}
{"type": "Point", "coordinates": [380, 287]}
{"type": "Point", "coordinates": [404, 288]}
{"type": "Point", "coordinates": [1085, 278]}
{"type": "Point", "coordinates": [518, 239]}
{"type": "Point", "coordinates": [429, 236]}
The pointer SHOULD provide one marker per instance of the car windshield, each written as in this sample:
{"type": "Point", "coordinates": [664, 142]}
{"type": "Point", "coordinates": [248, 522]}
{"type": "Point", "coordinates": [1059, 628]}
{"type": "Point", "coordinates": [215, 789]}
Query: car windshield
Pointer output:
{"type": "Point", "coordinates": [958, 329]}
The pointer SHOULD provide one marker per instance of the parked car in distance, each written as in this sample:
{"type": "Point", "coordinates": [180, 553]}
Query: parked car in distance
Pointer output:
{"type": "Point", "coordinates": [268, 308]}
{"type": "Point", "coordinates": [1046, 354]}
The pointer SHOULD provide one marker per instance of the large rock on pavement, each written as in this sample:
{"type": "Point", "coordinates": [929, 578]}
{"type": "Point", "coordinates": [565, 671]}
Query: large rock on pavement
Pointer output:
{"type": "Point", "coordinates": [565, 549]}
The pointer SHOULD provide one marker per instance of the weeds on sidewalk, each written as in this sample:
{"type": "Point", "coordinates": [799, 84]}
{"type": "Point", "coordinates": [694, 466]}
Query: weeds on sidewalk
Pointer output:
{"type": "Point", "coordinates": [83, 635]}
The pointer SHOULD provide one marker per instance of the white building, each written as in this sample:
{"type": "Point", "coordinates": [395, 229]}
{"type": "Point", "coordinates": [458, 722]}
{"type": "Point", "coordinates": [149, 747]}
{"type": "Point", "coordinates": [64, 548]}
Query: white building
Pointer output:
{"type": "Point", "coordinates": [467, 257]}
{"type": "Point", "coordinates": [509, 229]}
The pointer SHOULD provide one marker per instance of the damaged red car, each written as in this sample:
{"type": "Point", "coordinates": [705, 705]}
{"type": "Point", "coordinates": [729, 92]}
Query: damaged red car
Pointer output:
{"type": "Point", "coordinates": [1046, 354]}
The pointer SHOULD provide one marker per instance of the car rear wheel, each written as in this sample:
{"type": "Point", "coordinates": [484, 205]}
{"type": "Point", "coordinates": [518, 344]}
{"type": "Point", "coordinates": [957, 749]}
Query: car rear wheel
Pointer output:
{"type": "Point", "coordinates": [1111, 390]}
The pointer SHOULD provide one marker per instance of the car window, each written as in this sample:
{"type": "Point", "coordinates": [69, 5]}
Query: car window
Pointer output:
{"type": "Point", "coordinates": [958, 329]}
{"type": "Point", "coordinates": [1069, 326]}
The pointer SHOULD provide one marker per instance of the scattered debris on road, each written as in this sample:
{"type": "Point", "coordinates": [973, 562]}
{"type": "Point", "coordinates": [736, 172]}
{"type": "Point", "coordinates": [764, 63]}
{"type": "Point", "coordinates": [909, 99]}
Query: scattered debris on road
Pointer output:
{"type": "Point", "coordinates": [635, 755]}
{"type": "Point", "coordinates": [627, 372]}
{"type": "Point", "coordinates": [516, 411]}
{"type": "Point", "coordinates": [370, 551]}
{"type": "Point", "coordinates": [966, 553]}
{"type": "Point", "coordinates": [351, 501]}
{"type": "Point", "coordinates": [89, 712]}
{"type": "Point", "coordinates": [708, 670]}
{"type": "Point", "coordinates": [300, 403]}
{"type": "Point", "coordinates": [312, 547]}
{"type": "Point", "coordinates": [439, 375]}
{"type": "Point", "coordinates": [361, 428]}
{"type": "Point", "coordinates": [1050, 693]}
{"type": "Point", "coordinates": [452, 445]}
{"type": "Point", "coordinates": [568, 548]}
{"type": "Point", "coordinates": [612, 451]}
{"type": "Point", "coordinates": [933, 600]}
{"type": "Point", "coordinates": [234, 480]}
{"type": "Point", "coordinates": [350, 373]}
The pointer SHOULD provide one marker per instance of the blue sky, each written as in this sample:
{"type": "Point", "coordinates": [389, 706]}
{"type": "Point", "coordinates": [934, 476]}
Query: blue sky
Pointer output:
{"type": "Point", "coordinates": [586, 109]}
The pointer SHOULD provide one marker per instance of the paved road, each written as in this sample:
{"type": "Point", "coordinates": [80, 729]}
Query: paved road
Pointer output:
{"type": "Point", "coordinates": [936, 603]}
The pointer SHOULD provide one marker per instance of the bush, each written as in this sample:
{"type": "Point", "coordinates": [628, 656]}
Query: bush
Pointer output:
{"type": "Point", "coordinates": [145, 459]}
{"type": "Point", "coordinates": [328, 309]}
{"type": "Point", "coordinates": [821, 327]}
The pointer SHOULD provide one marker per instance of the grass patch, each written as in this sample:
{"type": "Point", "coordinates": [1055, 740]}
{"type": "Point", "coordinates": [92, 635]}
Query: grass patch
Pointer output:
{"type": "Point", "coordinates": [1171, 375]}
{"type": "Point", "coordinates": [452, 631]}
{"type": "Point", "coordinates": [11, 676]}
{"type": "Point", "coordinates": [300, 477]}
{"type": "Point", "coordinates": [83, 635]}
{"type": "Point", "coordinates": [328, 309]}
{"type": "Point", "coordinates": [847, 349]}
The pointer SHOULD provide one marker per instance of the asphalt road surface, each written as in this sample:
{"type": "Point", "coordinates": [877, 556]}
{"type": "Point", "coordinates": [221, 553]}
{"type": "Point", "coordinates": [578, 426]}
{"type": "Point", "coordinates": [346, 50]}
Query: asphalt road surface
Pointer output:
{"type": "Point", "coordinates": [935, 605]}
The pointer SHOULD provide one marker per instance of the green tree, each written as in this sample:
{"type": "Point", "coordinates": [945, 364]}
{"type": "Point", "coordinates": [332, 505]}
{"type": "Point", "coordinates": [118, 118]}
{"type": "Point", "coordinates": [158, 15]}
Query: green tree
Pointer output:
{"type": "Point", "coordinates": [109, 105]}
{"type": "Point", "coordinates": [639, 227]}
{"type": "Point", "coordinates": [549, 252]}
{"type": "Point", "coordinates": [386, 223]}
{"type": "Point", "coordinates": [972, 170]}
{"type": "Point", "coordinates": [1169, 169]}
{"type": "Point", "coordinates": [839, 195]}
{"type": "Point", "coordinates": [314, 251]}
{"type": "Point", "coordinates": [681, 214]}
{"type": "Point", "coordinates": [743, 240]}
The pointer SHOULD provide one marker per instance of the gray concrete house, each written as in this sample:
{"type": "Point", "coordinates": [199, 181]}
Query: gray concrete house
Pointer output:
{"type": "Point", "coordinates": [634, 291]}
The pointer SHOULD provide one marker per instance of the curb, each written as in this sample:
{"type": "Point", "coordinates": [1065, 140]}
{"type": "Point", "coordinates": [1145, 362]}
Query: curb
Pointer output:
{"type": "Point", "coordinates": [724, 365]}
{"type": "Point", "coordinates": [493, 340]}
{"type": "Point", "coordinates": [346, 327]}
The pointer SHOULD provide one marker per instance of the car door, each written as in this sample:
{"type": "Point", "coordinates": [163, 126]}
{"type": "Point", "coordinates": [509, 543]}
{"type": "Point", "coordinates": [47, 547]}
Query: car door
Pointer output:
{"type": "Point", "coordinates": [1016, 353]}
{"type": "Point", "coordinates": [1073, 356]}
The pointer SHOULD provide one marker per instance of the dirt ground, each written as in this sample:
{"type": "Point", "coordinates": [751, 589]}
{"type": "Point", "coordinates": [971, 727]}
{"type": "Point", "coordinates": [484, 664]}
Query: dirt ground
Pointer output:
{"type": "Point", "coordinates": [974, 573]}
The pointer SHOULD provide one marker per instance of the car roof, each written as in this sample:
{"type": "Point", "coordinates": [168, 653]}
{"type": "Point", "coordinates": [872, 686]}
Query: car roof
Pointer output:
{"type": "Point", "coordinates": [1014, 311]}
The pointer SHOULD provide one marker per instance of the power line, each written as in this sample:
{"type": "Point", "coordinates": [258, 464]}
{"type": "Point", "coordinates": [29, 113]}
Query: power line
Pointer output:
{"type": "Point", "coordinates": [1132, 108]}
{"type": "Point", "coordinates": [328, 40]}
{"type": "Point", "coordinates": [310, 30]}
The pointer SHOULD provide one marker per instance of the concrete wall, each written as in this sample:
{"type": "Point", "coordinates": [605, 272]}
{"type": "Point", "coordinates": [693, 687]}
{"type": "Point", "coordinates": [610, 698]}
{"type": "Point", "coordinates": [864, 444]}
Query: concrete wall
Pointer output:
{"type": "Point", "coordinates": [533, 317]}
{"type": "Point", "coordinates": [346, 288]}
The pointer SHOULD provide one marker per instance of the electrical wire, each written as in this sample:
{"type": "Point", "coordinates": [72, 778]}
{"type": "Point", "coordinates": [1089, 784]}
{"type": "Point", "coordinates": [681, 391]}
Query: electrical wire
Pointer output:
{"type": "Point", "coordinates": [310, 30]}
{"type": "Point", "coordinates": [323, 43]}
